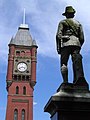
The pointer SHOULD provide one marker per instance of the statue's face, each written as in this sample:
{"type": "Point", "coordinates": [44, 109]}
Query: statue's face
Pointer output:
{"type": "Point", "coordinates": [70, 15]}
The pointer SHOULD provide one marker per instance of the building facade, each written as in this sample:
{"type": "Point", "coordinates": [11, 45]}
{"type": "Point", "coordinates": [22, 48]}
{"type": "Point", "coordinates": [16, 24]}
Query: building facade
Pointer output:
{"type": "Point", "coordinates": [21, 75]}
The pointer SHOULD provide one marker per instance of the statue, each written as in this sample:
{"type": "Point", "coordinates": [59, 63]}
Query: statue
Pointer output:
{"type": "Point", "coordinates": [69, 40]}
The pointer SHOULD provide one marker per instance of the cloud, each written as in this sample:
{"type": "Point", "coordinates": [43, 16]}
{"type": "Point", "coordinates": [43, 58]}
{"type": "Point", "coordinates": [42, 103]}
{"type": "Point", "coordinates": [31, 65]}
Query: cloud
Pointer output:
{"type": "Point", "coordinates": [5, 36]}
{"type": "Point", "coordinates": [40, 15]}
{"type": "Point", "coordinates": [43, 18]}
{"type": "Point", "coordinates": [34, 103]}
{"type": "Point", "coordinates": [83, 15]}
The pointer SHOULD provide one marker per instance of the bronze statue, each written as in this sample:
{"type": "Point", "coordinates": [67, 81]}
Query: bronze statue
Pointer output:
{"type": "Point", "coordinates": [69, 39]}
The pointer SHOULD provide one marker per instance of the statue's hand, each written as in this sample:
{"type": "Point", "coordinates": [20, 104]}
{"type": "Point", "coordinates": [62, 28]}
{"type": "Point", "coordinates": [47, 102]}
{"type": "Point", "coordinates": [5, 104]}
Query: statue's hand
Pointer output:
{"type": "Point", "coordinates": [59, 51]}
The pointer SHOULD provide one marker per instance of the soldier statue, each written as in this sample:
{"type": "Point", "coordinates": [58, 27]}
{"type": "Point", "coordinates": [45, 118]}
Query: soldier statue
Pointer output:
{"type": "Point", "coordinates": [69, 40]}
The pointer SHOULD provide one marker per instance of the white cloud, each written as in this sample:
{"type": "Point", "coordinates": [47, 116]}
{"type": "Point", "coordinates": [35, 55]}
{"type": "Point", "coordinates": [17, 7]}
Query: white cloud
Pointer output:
{"type": "Point", "coordinates": [43, 18]}
{"type": "Point", "coordinates": [4, 41]}
{"type": "Point", "coordinates": [34, 103]}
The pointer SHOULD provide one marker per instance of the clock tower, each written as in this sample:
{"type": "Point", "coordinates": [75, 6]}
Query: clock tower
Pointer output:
{"type": "Point", "coordinates": [21, 75]}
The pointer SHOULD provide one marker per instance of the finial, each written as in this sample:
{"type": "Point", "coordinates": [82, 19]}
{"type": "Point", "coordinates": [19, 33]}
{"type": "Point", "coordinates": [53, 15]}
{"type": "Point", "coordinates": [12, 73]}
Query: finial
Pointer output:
{"type": "Point", "coordinates": [24, 25]}
{"type": "Point", "coordinates": [24, 17]}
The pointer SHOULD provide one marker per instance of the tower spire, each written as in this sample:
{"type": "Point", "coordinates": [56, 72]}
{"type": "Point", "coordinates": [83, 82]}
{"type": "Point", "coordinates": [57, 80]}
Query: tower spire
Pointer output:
{"type": "Point", "coordinates": [24, 25]}
{"type": "Point", "coordinates": [24, 17]}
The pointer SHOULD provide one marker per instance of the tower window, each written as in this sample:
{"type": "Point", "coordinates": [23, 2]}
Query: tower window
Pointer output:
{"type": "Point", "coordinates": [15, 114]}
{"type": "Point", "coordinates": [19, 77]}
{"type": "Point", "coordinates": [17, 53]}
{"type": "Point", "coordinates": [17, 90]}
{"type": "Point", "coordinates": [24, 90]}
{"type": "Point", "coordinates": [23, 78]}
{"type": "Point", "coordinates": [22, 53]}
{"type": "Point", "coordinates": [15, 77]}
{"type": "Point", "coordinates": [27, 77]}
{"type": "Point", "coordinates": [23, 114]}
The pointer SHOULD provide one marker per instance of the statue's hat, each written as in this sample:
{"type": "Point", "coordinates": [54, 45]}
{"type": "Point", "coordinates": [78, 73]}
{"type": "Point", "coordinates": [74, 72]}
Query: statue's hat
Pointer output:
{"type": "Point", "coordinates": [69, 9]}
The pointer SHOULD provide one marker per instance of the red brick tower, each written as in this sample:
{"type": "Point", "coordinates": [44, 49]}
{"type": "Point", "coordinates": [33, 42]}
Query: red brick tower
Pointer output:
{"type": "Point", "coordinates": [21, 75]}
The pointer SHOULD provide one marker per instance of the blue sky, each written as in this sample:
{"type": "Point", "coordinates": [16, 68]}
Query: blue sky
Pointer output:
{"type": "Point", "coordinates": [43, 17]}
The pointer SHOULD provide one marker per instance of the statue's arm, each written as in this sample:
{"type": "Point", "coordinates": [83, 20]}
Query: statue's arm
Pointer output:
{"type": "Point", "coordinates": [59, 37]}
{"type": "Point", "coordinates": [81, 35]}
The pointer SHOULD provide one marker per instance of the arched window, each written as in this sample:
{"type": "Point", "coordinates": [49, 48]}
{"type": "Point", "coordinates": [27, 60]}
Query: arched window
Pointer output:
{"type": "Point", "coordinates": [24, 90]}
{"type": "Point", "coordinates": [23, 114]}
{"type": "Point", "coordinates": [15, 114]}
{"type": "Point", "coordinates": [22, 53]}
{"type": "Point", "coordinates": [17, 90]}
{"type": "Point", "coordinates": [17, 53]}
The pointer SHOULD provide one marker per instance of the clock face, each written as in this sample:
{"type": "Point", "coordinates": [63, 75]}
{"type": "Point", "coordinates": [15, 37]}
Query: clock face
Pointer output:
{"type": "Point", "coordinates": [22, 67]}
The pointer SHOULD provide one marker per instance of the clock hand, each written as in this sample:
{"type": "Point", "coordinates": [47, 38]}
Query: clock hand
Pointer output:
{"type": "Point", "coordinates": [21, 67]}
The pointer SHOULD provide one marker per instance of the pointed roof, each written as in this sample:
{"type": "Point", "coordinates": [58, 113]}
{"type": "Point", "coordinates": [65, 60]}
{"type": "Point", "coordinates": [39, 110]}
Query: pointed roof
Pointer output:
{"type": "Point", "coordinates": [22, 36]}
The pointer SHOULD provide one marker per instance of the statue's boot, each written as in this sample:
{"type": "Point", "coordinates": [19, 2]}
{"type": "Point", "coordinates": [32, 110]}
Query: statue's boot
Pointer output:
{"type": "Point", "coordinates": [64, 72]}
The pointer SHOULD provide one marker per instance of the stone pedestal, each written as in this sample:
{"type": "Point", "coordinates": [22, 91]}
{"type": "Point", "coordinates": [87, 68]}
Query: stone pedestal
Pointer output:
{"type": "Point", "coordinates": [71, 102]}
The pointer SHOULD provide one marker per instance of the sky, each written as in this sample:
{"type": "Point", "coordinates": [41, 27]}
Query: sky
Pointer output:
{"type": "Point", "coordinates": [43, 17]}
